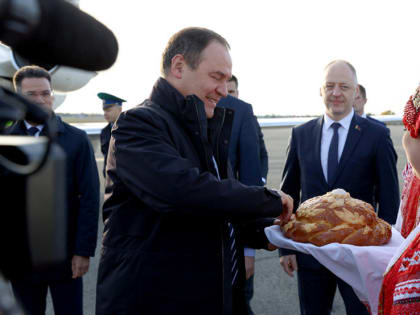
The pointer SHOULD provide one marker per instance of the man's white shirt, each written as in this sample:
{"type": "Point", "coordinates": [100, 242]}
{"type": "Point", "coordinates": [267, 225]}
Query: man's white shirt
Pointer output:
{"type": "Point", "coordinates": [327, 134]}
{"type": "Point", "coordinates": [39, 127]}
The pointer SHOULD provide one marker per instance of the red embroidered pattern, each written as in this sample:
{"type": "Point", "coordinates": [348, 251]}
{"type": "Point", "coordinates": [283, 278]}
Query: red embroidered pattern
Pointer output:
{"type": "Point", "coordinates": [411, 116]}
{"type": "Point", "coordinates": [410, 201]}
{"type": "Point", "coordinates": [400, 292]}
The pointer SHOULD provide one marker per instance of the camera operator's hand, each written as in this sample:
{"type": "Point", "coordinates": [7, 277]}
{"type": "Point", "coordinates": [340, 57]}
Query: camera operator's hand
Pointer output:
{"type": "Point", "coordinates": [79, 266]}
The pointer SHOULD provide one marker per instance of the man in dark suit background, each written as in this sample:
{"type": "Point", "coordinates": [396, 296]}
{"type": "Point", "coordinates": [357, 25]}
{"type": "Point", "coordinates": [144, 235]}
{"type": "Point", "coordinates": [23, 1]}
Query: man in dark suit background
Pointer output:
{"type": "Point", "coordinates": [338, 150]}
{"type": "Point", "coordinates": [82, 185]}
{"type": "Point", "coordinates": [359, 109]}
{"type": "Point", "coordinates": [359, 105]}
{"type": "Point", "coordinates": [246, 146]}
{"type": "Point", "coordinates": [234, 91]}
{"type": "Point", "coordinates": [112, 107]}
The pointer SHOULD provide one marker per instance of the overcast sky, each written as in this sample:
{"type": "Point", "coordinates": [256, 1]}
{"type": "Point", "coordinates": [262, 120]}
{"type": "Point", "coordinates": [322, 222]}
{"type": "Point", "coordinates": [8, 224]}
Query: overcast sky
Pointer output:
{"type": "Point", "coordinates": [279, 49]}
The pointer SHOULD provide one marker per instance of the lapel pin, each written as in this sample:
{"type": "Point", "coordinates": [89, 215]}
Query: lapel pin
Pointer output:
{"type": "Point", "coordinates": [357, 127]}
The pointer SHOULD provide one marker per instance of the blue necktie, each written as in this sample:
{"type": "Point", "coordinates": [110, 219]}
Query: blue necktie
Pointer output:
{"type": "Point", "coordinates": [233, 258]}
{"type": "Point", "coordinates": [333, 154]}
{"type": "Point", "coordinates": [32, 131]}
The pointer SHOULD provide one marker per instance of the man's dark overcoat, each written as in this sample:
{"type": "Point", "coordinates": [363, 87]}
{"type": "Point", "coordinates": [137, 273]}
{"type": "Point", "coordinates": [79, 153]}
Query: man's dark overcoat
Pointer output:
{"type": "Point", "coordinates": [165, 241]}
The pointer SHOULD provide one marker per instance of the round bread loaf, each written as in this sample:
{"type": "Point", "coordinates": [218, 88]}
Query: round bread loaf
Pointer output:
{"type": "Point", "coordinates": [337, 218]}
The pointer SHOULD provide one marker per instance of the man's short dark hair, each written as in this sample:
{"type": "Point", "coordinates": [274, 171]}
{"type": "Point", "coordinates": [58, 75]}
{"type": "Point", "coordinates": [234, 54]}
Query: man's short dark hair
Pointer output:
{"type": "Point", "coordinates": [29, 72]}
{"type": "Point", "coordinates": [234, 79]}
{"type": "Point", "coordinates": [362, 91]}
{"type": "Point", "coordinates": [190, 43]}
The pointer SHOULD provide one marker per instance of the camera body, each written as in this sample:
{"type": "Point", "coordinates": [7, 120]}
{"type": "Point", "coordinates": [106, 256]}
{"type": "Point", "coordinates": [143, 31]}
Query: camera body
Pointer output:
{"type": "Point", "coordinates": [34, 221]}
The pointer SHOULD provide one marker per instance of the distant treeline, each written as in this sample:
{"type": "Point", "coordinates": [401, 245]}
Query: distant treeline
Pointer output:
{"type": "Point", "coordinates": [387, 112]}
{"type": "Point", "coordinates": [82, 117]}
{"type": "Point", "coordinates": [284, 116]}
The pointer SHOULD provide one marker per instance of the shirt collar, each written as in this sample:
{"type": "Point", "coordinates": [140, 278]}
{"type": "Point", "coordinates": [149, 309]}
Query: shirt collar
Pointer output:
{"type": "Point", "coordinates": [345, 122]}
{"type": "Point", "coordinates": [28, 125]}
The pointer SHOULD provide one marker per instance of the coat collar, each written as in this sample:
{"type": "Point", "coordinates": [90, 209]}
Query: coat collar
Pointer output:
{"type": "Point", "coordinates": [19, 127]}
{"type": "Point", "coordinates": [188, 110]}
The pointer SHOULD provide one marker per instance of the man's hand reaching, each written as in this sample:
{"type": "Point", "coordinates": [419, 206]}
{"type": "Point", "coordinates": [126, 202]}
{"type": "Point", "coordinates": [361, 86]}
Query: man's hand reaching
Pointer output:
{"type": "Point", "coordinates": [287, 203]}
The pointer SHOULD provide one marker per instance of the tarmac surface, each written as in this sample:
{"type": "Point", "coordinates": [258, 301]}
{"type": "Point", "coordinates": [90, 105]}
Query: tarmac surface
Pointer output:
{"type": "Point", "coordinates": [275, 293]}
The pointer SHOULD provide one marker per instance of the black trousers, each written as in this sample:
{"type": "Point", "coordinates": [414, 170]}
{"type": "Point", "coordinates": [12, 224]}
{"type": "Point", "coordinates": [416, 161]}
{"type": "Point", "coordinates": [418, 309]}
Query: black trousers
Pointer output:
{"type": "Point", "coordinates": [317, 289]}
{"type": "Point", "coordinates": [249, 293]}
{"type": "Point", "coordinates": [67, 296]}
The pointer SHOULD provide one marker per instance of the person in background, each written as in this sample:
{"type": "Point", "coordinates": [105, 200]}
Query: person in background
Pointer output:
{"type": "Point", "coordinates": [338, 150]}
{"type": "Point", "coordinates": [112, 107]}
{"type": "Point", "coordinates": [359, 105]}
{"type": "Point", "coordinates": [359, 109]}
{"type": "Point", "coordinates": [234, 91]}
{"type": "Point", "coordinates": [82, 183]}
{"type": "Point", "coordinates": [248, 157]}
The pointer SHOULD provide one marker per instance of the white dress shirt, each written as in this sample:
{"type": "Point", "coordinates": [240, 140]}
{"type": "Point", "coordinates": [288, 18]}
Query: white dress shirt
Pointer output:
{"type": "Point", "coordinates": [39, 127]}
{"type": "Point", "coordinates": [327, 134]}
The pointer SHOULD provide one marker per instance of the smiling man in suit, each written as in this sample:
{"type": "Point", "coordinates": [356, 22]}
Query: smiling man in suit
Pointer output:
{"type": "Point", "coordinates": [338, 150]}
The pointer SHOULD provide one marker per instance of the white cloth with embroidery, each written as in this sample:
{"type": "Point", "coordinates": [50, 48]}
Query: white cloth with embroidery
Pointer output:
{"type": "Point", "coordinates": [362, 267]}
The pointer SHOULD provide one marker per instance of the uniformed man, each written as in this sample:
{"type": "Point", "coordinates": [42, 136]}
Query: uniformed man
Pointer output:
{"type": "Point", "coordinates": [112, 107]}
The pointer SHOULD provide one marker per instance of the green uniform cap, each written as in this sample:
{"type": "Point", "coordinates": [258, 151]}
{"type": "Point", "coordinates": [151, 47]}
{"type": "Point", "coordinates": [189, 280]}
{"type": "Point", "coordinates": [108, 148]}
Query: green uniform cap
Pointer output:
{"type": "Point", "coordinates": [109, 100]}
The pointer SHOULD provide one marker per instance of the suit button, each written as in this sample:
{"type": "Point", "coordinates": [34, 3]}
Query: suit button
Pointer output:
{"type": "Point", "coordinates": [225, 142]}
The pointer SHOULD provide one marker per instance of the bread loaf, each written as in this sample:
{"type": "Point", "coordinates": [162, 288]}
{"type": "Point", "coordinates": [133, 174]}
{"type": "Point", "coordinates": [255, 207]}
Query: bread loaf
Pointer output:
{"type": "Point", "coordinates": [337, 218]}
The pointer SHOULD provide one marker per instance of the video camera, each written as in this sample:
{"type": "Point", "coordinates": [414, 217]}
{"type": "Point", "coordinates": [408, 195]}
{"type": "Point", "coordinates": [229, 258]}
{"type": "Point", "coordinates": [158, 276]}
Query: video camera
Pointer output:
{"type": "Point", "coordinates": [32, 170]}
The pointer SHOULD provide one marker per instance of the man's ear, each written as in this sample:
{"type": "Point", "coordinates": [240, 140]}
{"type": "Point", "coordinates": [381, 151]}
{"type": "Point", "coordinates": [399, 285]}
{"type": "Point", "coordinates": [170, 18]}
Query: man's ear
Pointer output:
{"type": "Point", "coordinates": [177, 66]}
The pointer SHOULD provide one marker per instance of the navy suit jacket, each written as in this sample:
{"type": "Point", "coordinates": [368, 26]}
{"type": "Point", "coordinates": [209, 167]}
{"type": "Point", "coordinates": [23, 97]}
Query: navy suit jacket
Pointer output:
{"type": "Point", "coordinates": [263, 151]}
{"type": "Point", "coordinates": [367, 167]}
{"type": "Point", "coordinates": [375, 120]}
{"type": "Point", "coordinates": [244, 148]}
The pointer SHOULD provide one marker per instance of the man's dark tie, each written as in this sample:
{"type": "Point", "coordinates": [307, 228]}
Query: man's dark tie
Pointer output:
{"type": "Point", "coordinates": [333, 153]}
{"type": "Point", "coordinates": [231, 242]}
{"type": "Point", "coordinates": [233, 252]}
{"type": "Point", "coordinates": [32, 131]}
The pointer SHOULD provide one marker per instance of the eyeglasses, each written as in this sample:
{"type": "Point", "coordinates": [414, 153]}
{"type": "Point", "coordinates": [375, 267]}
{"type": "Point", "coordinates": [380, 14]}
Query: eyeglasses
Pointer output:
{"type": "Point", "coordinates": [43, 94]}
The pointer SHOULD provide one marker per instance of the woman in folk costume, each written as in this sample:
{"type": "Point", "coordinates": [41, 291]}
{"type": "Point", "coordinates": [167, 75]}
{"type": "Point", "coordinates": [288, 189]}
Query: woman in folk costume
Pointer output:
{"type": "Point", "coordinates": [400, 292]}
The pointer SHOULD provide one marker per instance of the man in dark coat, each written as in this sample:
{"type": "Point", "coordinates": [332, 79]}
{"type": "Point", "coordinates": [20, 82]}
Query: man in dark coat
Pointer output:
{"type": "Point", "coordinates": [178, 220]}
{"type": "Point", "coordinates": [339, 150]}
{"type": "Point", "coordinates": [82, 185]}
{"type": "Point", "coordinates": [112, 107]}
{"type": "Point", "coordinates": [246, 160]}
{"type": "Point", "coordinates": [262, 154]}
{"type": "Point", "coordinates": [359, 106]}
